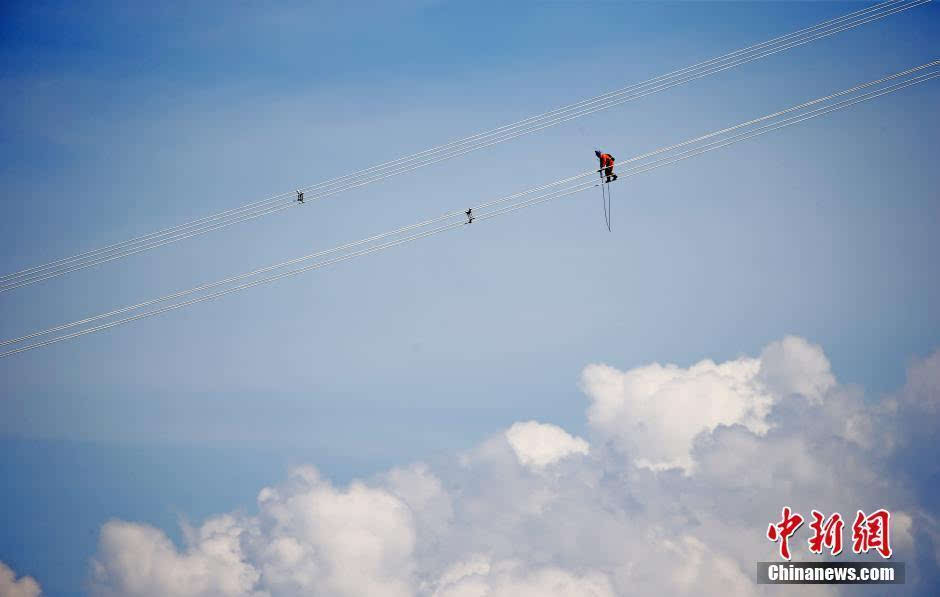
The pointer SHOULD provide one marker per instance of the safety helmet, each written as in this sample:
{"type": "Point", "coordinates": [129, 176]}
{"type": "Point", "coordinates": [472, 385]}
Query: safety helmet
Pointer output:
{"type": "Point", "coordinates": [597, 152]}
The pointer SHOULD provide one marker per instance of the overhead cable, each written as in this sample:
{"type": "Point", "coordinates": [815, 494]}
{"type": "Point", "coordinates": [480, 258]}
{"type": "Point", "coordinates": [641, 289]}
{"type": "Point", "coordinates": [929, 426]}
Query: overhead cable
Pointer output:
{"type": "Point", "coordinates": [451, 150]}
{"type": "Point", "coordinates": [494, 208]}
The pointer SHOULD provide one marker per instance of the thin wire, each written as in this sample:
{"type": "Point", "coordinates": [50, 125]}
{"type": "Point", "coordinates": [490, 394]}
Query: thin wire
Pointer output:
{"type": "Point", "coordinates": [292, 204]}
{"type": "Point", "coordinates": [502, 211]}
{"type": "Point", "coordinates": [229, 280]}
{"type": "Point", "coordinates": [248, 285]}
{"type": "Point", "coordinates": [610, 209]}
{"type": "Point", "coordinates": [11, 287]}
{"type": "Point", "coordinates": [670, 159]}
{"type": "Point", "coordinates": [893, 8]}
{"type": "Point", "coordinates": [639, 85]}
{"type": "Point", "coordinates": [271, 210]}
{"type": "Point", "coordinates": [719, 144]}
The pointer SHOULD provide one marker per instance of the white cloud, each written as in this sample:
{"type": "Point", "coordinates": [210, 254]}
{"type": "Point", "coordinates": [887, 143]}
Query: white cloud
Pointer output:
{"type": "Point", "coordinates": [538, 444]}
{"type": "Point", "coordinates": [477, 577]}
{"type": "Point", "coordinates": [794, 366]}
{"type": "Point", "coordinates": [26, 586]}
{"type": "Point", "coordinates": [316, 539]}
{"type": "Point", "coordinates": [426, 497]}
{"type": "Point", "coordinates": [654, 412]}
{"type": "Point", "coordinates": [308, 538]}
{"type": "Point", "coordinates": [534, 510]}
{"type": "Point", "coordinates": [135, 559]}
{"type": "Point", "coordinates": [923, 387]}
{"type": "Point", "coordinates": [700, 571]}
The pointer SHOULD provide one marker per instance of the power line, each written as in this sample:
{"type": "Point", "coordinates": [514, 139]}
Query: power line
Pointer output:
{"type": "Point", "coordinates": [454, 149]}
{"type": "Point", "coordinates": [511, 207]}
{"type": "Point", "coordinates": [14, 285]}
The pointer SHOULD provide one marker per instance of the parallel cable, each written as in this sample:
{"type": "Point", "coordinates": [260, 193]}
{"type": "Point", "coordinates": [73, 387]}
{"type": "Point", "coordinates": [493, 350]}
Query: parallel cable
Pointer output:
{"type": "Point", "coordinates": [454, 149]}
{"type": "Point", "coordinates": [717, 145]}
{"type": "Point", "coordinates": [522, 204]}
{"type": "Point", "coordinates": [231, 279]}
{"type": "Point", "coordinates": [896, 75]}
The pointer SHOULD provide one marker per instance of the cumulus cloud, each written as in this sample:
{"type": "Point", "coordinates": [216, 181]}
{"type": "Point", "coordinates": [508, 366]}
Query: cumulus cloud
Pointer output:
{"type": "Point", "coordinates": [655, 412]}
{"type": "Point", "coordinates": [922, 391]}
{"type": "Point", "coordinates": [135, 559]}
{"type": "Point", "coordinates": [308, 538]}
{"type": "Point", "coordinates": [794, 366]}
{"type": "Point", "coordinates": [313, 538]}
{"type": "Point", "coordinates": [537, 445]}
{"type": "Point", "coordinates": [26, 586]}
{"type": "Point", "coordinates": [685, 469]}
{"type": "Point", "coordinates": [478, 577]}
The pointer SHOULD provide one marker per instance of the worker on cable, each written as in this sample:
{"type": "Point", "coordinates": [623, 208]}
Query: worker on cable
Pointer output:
{"type": "Point", "coordinates": [607, 165]}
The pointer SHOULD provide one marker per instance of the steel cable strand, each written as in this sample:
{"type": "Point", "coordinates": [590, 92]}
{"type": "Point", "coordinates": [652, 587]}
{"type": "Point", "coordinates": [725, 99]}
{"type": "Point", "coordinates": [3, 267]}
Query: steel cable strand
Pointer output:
{"type": "Point", "coordinates": [502, 211]}
{"type": "Point", "coordinates": [893, 6]}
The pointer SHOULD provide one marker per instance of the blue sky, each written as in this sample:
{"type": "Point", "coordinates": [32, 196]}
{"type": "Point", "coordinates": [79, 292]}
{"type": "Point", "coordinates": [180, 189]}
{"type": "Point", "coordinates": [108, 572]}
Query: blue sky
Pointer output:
{"type": "Point", "coordinates": [118, 121]}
